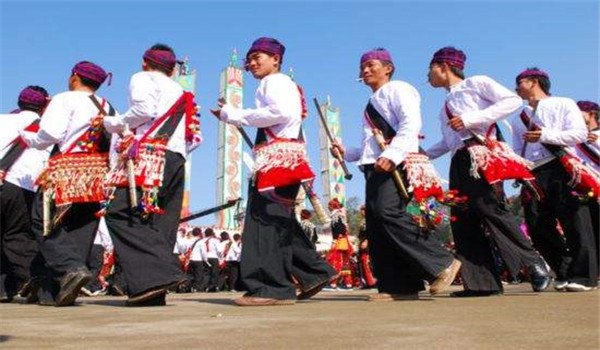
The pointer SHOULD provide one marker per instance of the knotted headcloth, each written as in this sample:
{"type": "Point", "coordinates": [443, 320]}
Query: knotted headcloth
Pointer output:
{"type": "Point", "coordinates": [450, 55]}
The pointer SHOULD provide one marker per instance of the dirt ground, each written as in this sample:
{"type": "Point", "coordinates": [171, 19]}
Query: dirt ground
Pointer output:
{"type": "Point", "coordinates": [520, 319]}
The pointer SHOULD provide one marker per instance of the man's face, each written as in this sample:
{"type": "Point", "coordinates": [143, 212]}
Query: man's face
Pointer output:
{"type": "Point", "coordinates": [374, 72]}
{"type": "Point", "coordinates": [72, 82]}
{"type": "Point", "coordinates": [525, 87]}
{"type": "Point", "coordinates": [590, 120]}
{"type": "Point", "coordinates": [261, 64]}
{"type": "Point", "coordinates": [437, 75]}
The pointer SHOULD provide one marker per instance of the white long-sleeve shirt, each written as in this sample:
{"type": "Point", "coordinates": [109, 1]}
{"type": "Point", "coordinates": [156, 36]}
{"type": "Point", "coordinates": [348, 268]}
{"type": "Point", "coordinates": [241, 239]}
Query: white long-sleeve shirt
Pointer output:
{"type": "Point", "coordinates": [210, 248]}
{"type": "Point", "coordinates": [400, 104]}
{"type": "Point", "coordinates": [196, 249]}
{"type": "Point", "coordinates": [235, 252]}
{"type": "Point", "coordinates": [31, 163]}
{"type": "Point", "coordinates": [561, 124]}
{"type": "Point", "coordinates": [595, 146]}
{"type": "Point", "coordinates": [66, 118]}
{"type": "Point", "coordinates": [480, 102]}
{"type": "Point", "coordinates": [151, 95]}
{"type": "Point", "coordinates": [278, 107]}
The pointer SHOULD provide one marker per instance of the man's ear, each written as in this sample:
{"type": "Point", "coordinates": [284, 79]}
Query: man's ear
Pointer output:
{"type": "Point", "coordinates": [388, 69]}
{"type": "Point", "coordinates": [277, 59]}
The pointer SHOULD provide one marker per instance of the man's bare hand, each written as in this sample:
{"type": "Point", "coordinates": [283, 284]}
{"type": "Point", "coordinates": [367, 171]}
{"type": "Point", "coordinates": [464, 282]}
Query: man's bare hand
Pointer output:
{"type": "Point", "coordinates": [456, 124]}
{"type": "Point", "coordinates": [384, 165]}
{"type": "Point", "coordinates": [217, 111]}
{"type": "Point", "coordinates": [337, 150]}
{"type": "Point", "coordinates": [532, 136]}
{"type": "Point", "coordinates": [592, 137]}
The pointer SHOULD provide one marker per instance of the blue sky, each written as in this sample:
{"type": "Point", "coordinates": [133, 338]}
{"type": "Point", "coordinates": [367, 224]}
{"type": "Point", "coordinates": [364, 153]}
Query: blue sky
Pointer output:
{"type": "Point", "coordinates": [40, 42]}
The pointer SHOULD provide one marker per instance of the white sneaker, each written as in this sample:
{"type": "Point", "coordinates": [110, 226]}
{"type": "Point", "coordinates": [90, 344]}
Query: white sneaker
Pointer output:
{"type": "Point", "coordinates": [560, 285]}
{"type": "Point", "coordinates": [85, 292]}
{"type": "Point", "coordinates": [576, 287]}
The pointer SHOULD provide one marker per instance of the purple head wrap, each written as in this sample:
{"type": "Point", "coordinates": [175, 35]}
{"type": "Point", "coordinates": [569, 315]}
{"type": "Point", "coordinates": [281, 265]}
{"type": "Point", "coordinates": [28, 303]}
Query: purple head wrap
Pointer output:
{"type": "Point", "coordinates": [91, 71]}
{"type": "Point", "coordinates": [377, 54]}
{"type": "Point", "coordinates": [451, 56]}
{"type": "Point", "coordinates": [163, 58]}
{"type": "Point", "coordinates": [529, 73]}
{"type": "Point", "coordinates": [268, 45]}
{"type": "Point", "coordinates": [33, 97]}
{"type": "Point", "coordinates": [588, 106]}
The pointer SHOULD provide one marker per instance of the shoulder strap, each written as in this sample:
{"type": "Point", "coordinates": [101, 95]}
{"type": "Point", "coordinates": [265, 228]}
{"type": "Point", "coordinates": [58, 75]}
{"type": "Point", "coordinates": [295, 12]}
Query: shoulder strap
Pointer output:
{"type": "Point", "coordinates": [166, 123]}
{"type": "Point", "coordinates": [589, 152]}
{"type": "Point", "coordinates": [17, 147]}
{"type": "Point", "coordinates": [376, 119]}
{"type": "Point", "coordinates": [554, 149]}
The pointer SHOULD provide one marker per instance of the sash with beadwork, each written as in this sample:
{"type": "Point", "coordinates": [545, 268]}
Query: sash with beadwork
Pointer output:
{"type": "Point", "coordinates": [423, 179]}
{"type": "Point", "coordinates": [148, 154]}
{"type": "Point", "coordinates": [583, 178]}
{"type": "Point", "coordinates": [15, 149]}
{"type": "Point", "coordinates": [77, 175]}
{"type": "Point", "coordinates": [494, 159]}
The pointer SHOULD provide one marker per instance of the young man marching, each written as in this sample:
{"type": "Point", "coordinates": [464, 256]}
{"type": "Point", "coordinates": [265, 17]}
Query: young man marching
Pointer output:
{"type": "Point", "coordinates": [472, 105]}
{"type": "Point", "coordinates": [271, 231]}
{"type": "Point", "coordinates": [402, 256]}
{"type": "Point", "coordinates": [19, 167]}
{"type": "Point", "coordinates": [163, 117]}
{"type": "Point", "coordinates": [589, 152]}
{"type": "Point", "coordinates": [72, 124]}
{"type": "Point", "coordinates": [546, 125]}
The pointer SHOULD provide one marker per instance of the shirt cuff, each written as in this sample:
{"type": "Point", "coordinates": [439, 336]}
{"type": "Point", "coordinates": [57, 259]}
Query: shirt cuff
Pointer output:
{"type": "Point", "coordinates": [352, 154]}
{"type": "Point", "coordinates": [228, 114]}
{"type": "Point", "coordinates": [395, 155]}
{"type": "Point", "coordinates": [548, 136]}
{"type": "Point", "coordinates": [471, 119]}
{"type": "Point", "coordinates": [28, 136]}
{"type": "Point", "coordinates": [113, 124]}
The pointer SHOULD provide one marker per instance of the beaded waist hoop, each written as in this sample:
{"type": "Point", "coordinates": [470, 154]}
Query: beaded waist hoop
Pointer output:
{"type": "Point", "coordinates": [423, 179]}
{"type": "Point", "coordinates": [280, 163]}
{"type": "Point", "coordinates": [75, 177]}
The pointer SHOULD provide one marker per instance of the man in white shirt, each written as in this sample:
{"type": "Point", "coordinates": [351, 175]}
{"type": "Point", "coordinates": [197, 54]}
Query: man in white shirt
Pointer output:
{"type": "Point", "coordinates": [196, 265]}
{"type": "Point", "coordinates": [211, 255]}
{"type": "Point", "coordinates": [270, 228]}
{"type": "Point", "coordinates": [144, 239]}
{"type": "Point", "coordinates": [589, 151]}
{"type": "Point", "coordinates": [546, 127]}
{"type": "Point", "coordinates": [472, 106]}
{"type": "Point", "coordinates": [402, 256]}
{"type": "Point", "coordinates": [231, 253]}
{"type": "Point", "coordinates": [19, 167]}
{"type": "Point", "coordinates": [67, 126]}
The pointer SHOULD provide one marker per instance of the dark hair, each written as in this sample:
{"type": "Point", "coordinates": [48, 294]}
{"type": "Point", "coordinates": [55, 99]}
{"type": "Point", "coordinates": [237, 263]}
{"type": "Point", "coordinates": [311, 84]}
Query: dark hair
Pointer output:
{"type": "Point", "coordinates": [544, 82]}
{"type": "Point", "coordinates": [196, 232]}
{"type": "Point", "coordinates": [154, 66]}
{"type": "Point", "coordinates": [29, 107]}
{"type": "Point", "coordinates": [209, 232]}
{"type": "Point", "coordinates": [457, 71]}
{"type": "Point", "coordinates": [94, 85]}
{"type": "Point", "coordinates": [237, 236]}
{"type": "Point", "coordinates": [224, 235]}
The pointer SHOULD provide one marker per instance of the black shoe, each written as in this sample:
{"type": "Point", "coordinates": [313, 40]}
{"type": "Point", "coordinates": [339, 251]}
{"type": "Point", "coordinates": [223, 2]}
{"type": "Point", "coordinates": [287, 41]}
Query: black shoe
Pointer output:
{"type": "Point", "coordinates": [5, 298]}
{"type": "Point", "coordinates": [540, 277]}
{"type": "Point", "coordinates": [70, 285]}
{"type": "Point", "coordinates": [114, 289]}
{"type": "Point", "coordinates": [467, 293]}
{"type": "Point", "coordinates": [158, 300]}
